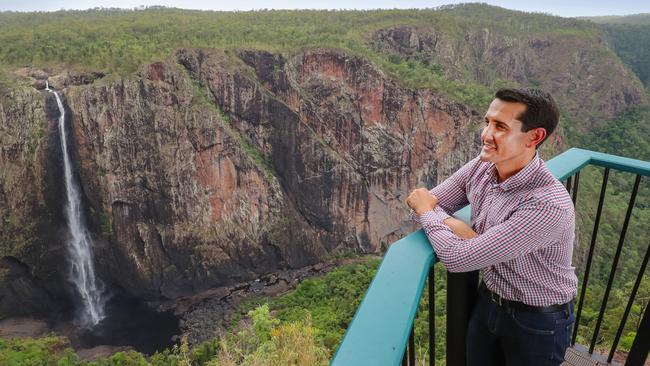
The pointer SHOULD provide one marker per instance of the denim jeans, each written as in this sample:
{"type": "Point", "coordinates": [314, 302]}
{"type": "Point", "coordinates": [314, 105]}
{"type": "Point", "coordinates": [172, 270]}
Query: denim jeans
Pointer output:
{"type": "Point", "coordinates": [504, 336]}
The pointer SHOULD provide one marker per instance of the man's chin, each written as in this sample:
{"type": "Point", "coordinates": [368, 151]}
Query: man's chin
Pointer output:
{"type": "Point", "coordinates": [485, 157]}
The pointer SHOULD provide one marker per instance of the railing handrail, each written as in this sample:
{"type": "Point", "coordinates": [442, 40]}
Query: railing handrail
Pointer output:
{"type": "Point", "coordinates": [378, 332]}
{"type": "Point", "coordinates": [574, 159]}
{"type": "Point", "coordinates": [381, 326]}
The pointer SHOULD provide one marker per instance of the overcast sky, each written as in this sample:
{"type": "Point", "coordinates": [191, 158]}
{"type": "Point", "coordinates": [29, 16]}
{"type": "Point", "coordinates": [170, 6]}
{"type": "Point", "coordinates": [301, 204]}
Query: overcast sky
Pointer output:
{"type": "Point", "coordinates": [567, 8]}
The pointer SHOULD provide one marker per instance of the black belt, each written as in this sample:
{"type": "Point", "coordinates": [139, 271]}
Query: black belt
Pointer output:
{"type": "Point", "coordinates": [520, 305]}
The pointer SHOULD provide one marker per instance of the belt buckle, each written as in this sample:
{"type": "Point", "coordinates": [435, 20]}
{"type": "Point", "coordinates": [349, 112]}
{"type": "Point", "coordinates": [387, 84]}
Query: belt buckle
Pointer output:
{"type": "Point", "coordinates": [498, 302]}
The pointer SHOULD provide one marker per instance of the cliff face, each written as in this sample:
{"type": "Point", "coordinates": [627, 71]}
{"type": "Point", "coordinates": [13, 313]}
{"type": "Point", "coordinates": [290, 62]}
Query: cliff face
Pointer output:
{"type": "Point", "coordinates": [213, 168]}
{"type": "Point", "coordinates": [589, 82]}
{"type": "Point", "coordinates": [32, 268]}
{"type": "Point", "coordinates": [180, 203]}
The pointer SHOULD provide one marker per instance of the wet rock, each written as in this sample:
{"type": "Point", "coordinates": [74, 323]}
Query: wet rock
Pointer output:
{"type": "Point", "coordinates": [23, 327]}
{"type": "Point", "coordinates": [39, 84]}
{"type": "Point", "coordinates": [20, 293]}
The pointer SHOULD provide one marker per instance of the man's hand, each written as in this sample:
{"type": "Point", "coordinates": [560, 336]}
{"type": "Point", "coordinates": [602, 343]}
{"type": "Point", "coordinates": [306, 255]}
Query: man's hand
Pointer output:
{"type": "Point", "coordinates": [421, 201]}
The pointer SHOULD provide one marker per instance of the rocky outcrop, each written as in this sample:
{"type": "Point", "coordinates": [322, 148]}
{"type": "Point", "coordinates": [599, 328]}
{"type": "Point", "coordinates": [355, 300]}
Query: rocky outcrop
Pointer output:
{"type": "Point", "coordinates": [214, 168]}
{"type": "Point", "coordinates": [32, 264]}
{"type": "Point", "coordinates": [20, 293]}
{"type": "Point", "coordinates": [589, 82]}
{"type": "Point", "coordinates": [210, 314]}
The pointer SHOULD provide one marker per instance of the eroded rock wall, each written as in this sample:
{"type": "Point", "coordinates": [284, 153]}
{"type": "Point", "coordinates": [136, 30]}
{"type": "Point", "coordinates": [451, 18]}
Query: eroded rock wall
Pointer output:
{"type": "Point", "coordinates": [213, 168]}
{"type": "Point", "coordinates": [32, 263]}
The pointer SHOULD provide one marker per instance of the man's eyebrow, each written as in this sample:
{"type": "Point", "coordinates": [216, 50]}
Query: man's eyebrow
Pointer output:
{"type": "Point", "coordinates": [496, 120]}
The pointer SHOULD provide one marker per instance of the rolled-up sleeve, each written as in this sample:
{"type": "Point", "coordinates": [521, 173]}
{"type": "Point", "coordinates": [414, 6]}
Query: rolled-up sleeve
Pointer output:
{"type": "Point", "coordinates": [531, 226]}
{"type": "Point", "coordinates": [452, 192]}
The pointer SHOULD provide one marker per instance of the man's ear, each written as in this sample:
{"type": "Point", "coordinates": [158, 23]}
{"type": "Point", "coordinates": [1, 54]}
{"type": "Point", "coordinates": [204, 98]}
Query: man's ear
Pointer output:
{"type": "Point", "coordinates": [536, 136]}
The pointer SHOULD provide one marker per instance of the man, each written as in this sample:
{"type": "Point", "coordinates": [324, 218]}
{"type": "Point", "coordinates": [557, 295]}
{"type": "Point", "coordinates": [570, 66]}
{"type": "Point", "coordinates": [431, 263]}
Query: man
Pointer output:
{"type": "Point", "coordinates": [521, 237]}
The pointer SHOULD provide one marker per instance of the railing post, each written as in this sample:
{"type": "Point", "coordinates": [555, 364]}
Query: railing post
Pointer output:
{"type": "Point", "coordinates": [461, 297]}
{"type": "Point", "coordinates": [639, 352]}
{"type": "Point", "coordinates": [432, 317]}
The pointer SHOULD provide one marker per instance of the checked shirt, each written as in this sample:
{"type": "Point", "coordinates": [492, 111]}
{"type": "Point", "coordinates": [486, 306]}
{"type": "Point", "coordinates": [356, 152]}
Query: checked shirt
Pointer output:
{"type": "Point", "coordinates": [526, 230]}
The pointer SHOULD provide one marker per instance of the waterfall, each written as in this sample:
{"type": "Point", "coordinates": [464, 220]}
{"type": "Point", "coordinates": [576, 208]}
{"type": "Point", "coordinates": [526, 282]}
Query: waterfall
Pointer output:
{"type": "Point", "coordinates": [79, 245]}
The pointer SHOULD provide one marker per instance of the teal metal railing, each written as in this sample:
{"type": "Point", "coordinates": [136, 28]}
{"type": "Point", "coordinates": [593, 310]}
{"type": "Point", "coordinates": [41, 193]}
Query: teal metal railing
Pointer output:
{"type": "Point", "coordinates": [382, 326]}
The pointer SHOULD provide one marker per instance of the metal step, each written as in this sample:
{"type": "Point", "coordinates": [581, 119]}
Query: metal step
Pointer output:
{"type": "Point", "coordinates": [578, 355]}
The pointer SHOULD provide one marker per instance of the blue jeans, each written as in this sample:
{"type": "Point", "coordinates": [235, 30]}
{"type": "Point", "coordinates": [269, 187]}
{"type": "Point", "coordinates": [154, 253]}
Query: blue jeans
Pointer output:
{"type": "Point", "coordinates": [504, 336]}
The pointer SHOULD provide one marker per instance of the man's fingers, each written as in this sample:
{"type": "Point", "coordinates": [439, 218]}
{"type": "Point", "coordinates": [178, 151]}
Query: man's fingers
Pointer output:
{"type": "Point", "coordinates": [413, 196]}
{"type": "Point", "coordinates": [409, 200]}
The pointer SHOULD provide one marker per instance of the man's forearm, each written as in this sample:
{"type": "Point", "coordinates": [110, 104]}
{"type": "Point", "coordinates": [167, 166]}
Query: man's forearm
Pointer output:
{"type": "Point", "coordinates": [461, 229]}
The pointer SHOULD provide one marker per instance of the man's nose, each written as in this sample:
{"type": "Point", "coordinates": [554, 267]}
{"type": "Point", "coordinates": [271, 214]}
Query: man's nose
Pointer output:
{"type": "Point", "coordinates": [487, 133]}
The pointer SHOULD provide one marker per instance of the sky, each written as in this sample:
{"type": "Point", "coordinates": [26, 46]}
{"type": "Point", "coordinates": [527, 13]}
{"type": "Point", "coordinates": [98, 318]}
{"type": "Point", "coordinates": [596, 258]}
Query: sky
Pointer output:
{"type": "Point", "coordinates": [565, 8]}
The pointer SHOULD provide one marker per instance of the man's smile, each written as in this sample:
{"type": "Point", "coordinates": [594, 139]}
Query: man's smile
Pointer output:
{"type": "Point", "coordinates": [488, 147]}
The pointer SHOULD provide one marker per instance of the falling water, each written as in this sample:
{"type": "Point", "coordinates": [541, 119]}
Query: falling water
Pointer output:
{"type": "Point", "coordinates": [82, 271]}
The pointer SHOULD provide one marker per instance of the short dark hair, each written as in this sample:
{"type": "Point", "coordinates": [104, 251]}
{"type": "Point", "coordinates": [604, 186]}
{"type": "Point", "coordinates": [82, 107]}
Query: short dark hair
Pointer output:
{"type": "Point", "coordinates": [541, 109]}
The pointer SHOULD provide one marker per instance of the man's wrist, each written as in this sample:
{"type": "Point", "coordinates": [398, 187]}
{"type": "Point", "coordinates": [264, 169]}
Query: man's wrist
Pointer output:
{"type": "Point", "coordinates": [434, 215]}
{"type": "Point", "coordinates": [422, 211]}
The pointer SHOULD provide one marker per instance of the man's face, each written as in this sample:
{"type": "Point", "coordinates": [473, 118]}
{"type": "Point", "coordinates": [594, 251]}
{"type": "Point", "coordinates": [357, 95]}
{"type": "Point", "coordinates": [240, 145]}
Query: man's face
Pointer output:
{"type": "Point", "coordinates": [503, 140]}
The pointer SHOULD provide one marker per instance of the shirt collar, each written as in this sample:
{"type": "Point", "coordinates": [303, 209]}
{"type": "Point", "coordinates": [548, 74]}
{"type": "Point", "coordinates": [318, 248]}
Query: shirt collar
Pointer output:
{"type": "Point", "coordinates": [520, 177]}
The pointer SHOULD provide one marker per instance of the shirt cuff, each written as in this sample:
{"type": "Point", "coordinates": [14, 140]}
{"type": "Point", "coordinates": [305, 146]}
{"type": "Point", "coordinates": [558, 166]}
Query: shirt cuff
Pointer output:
{"type": "Point", "coordinates": [435, 216]}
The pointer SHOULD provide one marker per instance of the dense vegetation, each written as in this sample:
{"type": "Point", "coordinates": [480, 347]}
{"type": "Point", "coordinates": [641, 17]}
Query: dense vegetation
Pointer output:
{"type": "Point", "coordinates": [637, 19]}
{"type": "Point", "coordinates": [630, 37]}
{"type": "Point", "coordinates": [626, 136]}
{"type": "Point", "coordinates": [119, 41]}
{"type": "Point", "coordinates": [262, 341]}
{"type": "Point", "coordinates": [632, 44]}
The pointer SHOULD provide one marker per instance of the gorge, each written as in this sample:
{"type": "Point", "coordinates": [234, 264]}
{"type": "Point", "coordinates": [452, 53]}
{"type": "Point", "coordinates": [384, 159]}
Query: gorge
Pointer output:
{"type": "Point", "coordinates": [212, 166]}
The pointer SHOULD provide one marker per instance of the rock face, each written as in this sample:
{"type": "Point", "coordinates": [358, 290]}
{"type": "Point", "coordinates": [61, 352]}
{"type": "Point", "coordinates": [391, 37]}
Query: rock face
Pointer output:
{"type": "Point", "coordinates": [180, 204]}
{"type": "Point", "coordinates": [214, 168]}
{"type": "Point", "coordinates": [589, 82]}
{"type": "Point", "coordinates": [32, 267]}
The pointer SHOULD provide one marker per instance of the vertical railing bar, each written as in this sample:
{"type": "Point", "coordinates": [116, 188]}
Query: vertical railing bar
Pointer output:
{"type": "Point", "coordinates": [568, 184]}
{"type": "Point", "coordinates": [432, 318]}
{"type": "Point", "coordinates": [612, 272]}
{"type": "Point", "coordinates": [412, 345]}
{"type": "Point", "coordinates": [630, 302]}
{"type": "Point", "coordinates": [590, 256]}
{"type": "Point", "coordinates": [641, 346]}
{"type": "Point", "coordinates": [575, 188]}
